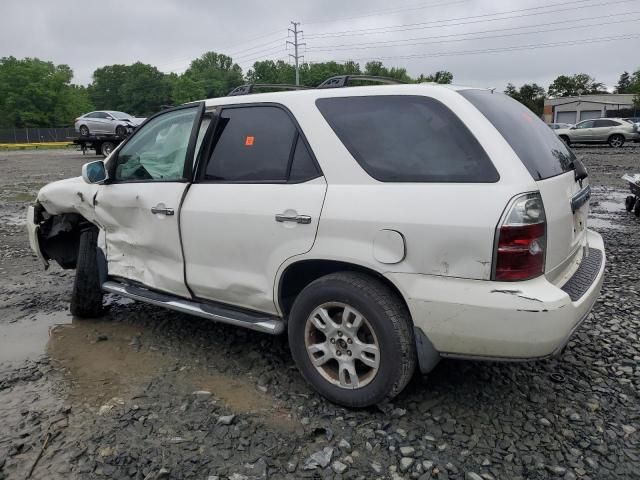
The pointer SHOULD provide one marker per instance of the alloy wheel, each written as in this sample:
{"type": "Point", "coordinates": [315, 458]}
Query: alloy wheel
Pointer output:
{"type": "Point", "coordinates": [342, 345]}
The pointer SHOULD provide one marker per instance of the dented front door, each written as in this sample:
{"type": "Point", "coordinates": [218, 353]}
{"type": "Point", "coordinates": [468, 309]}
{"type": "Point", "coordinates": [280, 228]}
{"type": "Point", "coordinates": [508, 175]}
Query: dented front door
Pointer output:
{"type": "Point", "coordinates": [138, 208]}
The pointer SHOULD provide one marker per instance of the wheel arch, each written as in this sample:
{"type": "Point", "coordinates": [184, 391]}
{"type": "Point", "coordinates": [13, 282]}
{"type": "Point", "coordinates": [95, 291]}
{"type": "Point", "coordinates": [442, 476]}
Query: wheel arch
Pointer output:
{"type": "Point", "coordinates": [297, 275]}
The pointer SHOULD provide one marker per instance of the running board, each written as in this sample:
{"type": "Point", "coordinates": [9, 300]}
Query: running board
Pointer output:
{"type": "Point", "coordinates": [218, 313]}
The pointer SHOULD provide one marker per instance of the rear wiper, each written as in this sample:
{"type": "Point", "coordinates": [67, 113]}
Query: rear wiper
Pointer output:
{"type": "Point", "coordinates": [579, 170]}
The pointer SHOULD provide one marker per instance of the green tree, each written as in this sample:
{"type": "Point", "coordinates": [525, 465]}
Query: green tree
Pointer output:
{"type": "Point", "coordinates": [215, 74]}
{"type": "Point", "coordinates": [573, 85]}
{"type": "Point", "coordinates": [138, 89]}
{"type": "Point", "coordinates": [184, 89]}
{"type": "Point", "coordinates": [378, 69]}
{"type": "Point", "coordinates": [531, 95]}
{"type": "Point", "coordinates": [441, 76]}
{"type": "Point", "coordinates": [35, 93]}
{"type": "Point", "coordinates": [624, 83]}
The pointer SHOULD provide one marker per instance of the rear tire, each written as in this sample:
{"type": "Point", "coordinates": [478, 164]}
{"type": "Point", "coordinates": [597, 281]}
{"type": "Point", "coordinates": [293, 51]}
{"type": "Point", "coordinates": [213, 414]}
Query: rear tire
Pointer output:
{"type": "Point", "coordinates": [377, 328]}
{"type": "Point", "coordinates": [84, 130]}
{"type": "Point", "coordinates": [616, 141]}
{"type": "Point", "coordinates": [86, 297]}
{"type": "Point", "coordinates": [629, 202]}
{"type": "Point", "coordinates": [565, 139]}
{"type": "Point", "coordinates": [636, 208]}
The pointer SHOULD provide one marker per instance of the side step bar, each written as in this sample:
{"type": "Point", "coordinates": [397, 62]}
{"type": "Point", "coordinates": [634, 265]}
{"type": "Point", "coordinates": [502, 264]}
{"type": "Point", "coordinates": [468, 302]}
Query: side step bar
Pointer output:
{"type": "Point", "coordinates": [218, 313]}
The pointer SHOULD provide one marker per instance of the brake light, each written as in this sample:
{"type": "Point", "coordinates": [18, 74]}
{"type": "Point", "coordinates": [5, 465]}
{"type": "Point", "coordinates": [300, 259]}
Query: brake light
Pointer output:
{"type": "Point", "coordinates": [522, 242]}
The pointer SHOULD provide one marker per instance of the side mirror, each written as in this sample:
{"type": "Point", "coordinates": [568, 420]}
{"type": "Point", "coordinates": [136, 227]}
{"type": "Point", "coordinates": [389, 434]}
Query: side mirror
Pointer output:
{"type": "Point", "coordinates": [94, 172]}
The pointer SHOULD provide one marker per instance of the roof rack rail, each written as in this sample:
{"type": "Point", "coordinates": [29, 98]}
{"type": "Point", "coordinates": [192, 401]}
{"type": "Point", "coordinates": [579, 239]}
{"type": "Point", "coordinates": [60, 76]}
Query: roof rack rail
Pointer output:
{"type": "Point", "coordinates": [250, 87]}
{"type": "Point", "coordinates": [340, 81]}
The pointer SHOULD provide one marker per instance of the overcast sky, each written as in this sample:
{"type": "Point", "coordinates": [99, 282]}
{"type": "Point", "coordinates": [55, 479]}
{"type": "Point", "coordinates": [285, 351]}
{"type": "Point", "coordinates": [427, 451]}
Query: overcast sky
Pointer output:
{"type": "Point", "coordinates": [598, 37]}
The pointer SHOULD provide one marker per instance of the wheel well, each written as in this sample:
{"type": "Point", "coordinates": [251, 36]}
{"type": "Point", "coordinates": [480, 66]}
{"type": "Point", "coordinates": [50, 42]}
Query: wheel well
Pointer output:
{"type": "Point", "coordinates": [59, 236]}
{"type": "Point", "coordinates": [298, 275]}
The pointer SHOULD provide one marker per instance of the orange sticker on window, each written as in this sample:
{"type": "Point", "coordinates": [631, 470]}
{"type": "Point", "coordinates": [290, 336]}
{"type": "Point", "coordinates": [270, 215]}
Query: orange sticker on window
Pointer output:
{"type": "Point", "coordinates": [248, 142]}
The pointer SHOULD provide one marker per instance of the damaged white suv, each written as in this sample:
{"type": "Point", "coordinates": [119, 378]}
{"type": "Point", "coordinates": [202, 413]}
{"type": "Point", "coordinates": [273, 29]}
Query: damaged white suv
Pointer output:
{"type": "Point", "coordinates": [381, 227]}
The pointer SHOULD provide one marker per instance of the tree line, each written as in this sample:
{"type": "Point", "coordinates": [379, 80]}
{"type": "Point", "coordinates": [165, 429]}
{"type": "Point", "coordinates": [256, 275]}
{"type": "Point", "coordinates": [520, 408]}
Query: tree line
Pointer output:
{"type": "Point", "coordinates": [37, 93]}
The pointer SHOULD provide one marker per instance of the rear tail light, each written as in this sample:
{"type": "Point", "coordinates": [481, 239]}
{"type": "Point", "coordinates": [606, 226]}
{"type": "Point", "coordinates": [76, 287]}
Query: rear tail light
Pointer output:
{"type": "Point", "coordinates": [521, 241]}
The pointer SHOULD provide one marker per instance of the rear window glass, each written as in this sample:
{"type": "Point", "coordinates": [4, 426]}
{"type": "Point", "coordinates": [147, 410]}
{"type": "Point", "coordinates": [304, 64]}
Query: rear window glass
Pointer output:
{"type": "Point", "coordinates": [539, 148]}
{"type": "Point", "coordinates": [407, 139]}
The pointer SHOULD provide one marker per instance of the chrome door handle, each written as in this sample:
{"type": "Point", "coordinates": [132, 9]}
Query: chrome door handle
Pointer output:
{"type": "Point", "coordinates": [164, 211]}
{"type": "Point", "coordinates": [303, 219]}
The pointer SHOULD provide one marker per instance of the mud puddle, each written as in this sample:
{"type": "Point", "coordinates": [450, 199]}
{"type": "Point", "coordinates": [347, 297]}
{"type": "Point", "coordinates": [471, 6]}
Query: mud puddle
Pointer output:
{"type": "Point", "coordinates": [104, 360]}
{"type": "Point", "coordinates": [27, 338]}
{"type": "Point", "coordinates": [606, 209]}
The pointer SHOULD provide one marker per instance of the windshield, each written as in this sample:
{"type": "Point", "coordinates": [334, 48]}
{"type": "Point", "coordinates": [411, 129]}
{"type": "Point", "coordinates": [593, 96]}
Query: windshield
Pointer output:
{"type": "Point", "coordinates": [121, 115]}
{"type": "Point", "coordinates": [539, 148]}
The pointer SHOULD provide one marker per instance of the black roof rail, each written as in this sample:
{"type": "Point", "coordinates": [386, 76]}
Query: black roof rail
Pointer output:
{"type": "Point", "coordinates": [343, 80]}
{"type": "Point", "coordinates": [250, 87]}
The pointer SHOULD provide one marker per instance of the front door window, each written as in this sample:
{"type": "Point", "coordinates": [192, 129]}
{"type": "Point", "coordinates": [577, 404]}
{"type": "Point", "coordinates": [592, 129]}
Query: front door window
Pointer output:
{"type": "Point", "coordinates": [158, 151]}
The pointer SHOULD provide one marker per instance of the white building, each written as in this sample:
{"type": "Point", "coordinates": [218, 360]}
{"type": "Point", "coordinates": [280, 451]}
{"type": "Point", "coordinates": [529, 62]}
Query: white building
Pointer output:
{"type": "Point", "coordinates": [575, 109]}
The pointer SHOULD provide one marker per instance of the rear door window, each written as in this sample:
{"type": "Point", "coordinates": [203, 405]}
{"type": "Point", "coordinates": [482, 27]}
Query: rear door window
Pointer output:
{"type": "Point", "coordinates": [539, 148]}
{"type": "Point", "coordinates": [407, 138]}
{"type": "Point", "coordinates": [605, 123]}
{"type": "Point", "coordinates": [254, 144]}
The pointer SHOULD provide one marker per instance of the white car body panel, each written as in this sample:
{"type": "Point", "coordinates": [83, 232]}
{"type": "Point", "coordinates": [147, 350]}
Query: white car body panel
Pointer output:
{"type": "Point", "coordinates": [239, 246]}
{"type": "Point", "coordinates": [236, 253]}
{"type": "Point", "coordinates": [140, 245]}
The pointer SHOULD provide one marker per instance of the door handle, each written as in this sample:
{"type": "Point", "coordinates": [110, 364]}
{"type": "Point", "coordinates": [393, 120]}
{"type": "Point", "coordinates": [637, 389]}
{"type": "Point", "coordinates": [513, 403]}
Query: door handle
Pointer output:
{"type": "Point", "coordinates": [162, 210]}
{"type": "Point", "coordinates": [303, 219]}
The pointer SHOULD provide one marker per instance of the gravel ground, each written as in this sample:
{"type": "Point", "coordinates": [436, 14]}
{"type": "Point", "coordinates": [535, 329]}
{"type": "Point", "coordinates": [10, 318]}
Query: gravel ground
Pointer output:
{"type": "Point", "coordinates": [147, 394]}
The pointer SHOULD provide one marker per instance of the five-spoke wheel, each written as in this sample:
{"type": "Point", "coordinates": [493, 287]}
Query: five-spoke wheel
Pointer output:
{"type": "Point", "coordinates": [351, 336]}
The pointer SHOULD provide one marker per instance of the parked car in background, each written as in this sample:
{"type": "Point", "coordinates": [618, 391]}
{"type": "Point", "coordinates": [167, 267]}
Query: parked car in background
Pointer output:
{"type": "Point", "coordinates": [106, 122]}
{"type": "Point", "coordinates": [556, 126]}
{"type": "Point", "coordinates": [240, 209]}
{"type": "Point", "coordinates": [614, 131]}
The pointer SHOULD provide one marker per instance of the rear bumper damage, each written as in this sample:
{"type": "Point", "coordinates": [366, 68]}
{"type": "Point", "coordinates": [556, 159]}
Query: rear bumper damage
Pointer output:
{"type": "Point", "coordinates": [516, 321]}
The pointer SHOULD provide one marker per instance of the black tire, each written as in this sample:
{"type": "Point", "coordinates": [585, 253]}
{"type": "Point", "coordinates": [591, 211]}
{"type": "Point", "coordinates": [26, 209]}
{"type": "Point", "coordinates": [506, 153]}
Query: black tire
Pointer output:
{"type": "Point", "coordinates": [388, 318]}
{"type": "Point", "coordinates": [565, 139]}
{"type": "Point", "coordinates": [629, 202]}
{"type": "Point", "coordinates": [616, 141]}
{"type": "Point", "coordinates": [86, 297]}
{"type": "Point", "coordinates": [106, 148]}
{"type": "Point", "coordinates": [121, 130]}
{"type": "Point", "coordinates": [84, 130]}
{"type": "Point", "coordinates": [636, 208]}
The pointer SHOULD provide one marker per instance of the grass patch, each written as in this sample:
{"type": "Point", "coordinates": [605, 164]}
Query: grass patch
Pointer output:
{"type": "Point", "coordinates": [34, 146]}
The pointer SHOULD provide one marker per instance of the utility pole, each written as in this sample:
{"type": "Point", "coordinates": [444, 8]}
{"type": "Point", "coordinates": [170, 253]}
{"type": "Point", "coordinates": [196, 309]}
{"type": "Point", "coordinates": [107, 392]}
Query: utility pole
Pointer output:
{"type": "Point", "coordinates": [296, 44]}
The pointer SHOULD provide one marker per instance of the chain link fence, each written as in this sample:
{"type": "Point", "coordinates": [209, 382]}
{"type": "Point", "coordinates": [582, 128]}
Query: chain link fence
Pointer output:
{"type": "Point", "coordinates": [36, 135]}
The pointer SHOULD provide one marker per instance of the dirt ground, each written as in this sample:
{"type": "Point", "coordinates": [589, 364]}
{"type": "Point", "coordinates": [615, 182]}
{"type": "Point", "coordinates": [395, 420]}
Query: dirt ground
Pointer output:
{"type": "Point", "coordinates": [143, 393]}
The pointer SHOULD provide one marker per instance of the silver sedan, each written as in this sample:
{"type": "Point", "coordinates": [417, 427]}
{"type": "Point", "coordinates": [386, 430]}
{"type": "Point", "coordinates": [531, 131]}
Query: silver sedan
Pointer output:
{"type": "Point", "coordinates": [106, 122]}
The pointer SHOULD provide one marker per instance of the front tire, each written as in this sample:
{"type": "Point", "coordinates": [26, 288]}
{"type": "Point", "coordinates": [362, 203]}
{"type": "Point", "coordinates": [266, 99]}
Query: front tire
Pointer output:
{"type": "Point", "coordinates": [352, 339]}
{"type": "Point", "coordinates": [629, 202]}
{"type": "Point", "coordinates": [121, 131]}
{"type": "Point", "coordinates": [84, 131]}
{"type": "Point", "coordinates": [616, 141]}
{"type": "Point", "coordinates": [566, 140]}
{"type": "Point", "coordinates": [86, 297]}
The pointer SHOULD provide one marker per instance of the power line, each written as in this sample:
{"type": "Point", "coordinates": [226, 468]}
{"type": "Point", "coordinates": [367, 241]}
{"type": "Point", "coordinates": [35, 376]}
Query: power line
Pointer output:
{"type": "Point", "coordinates": [388, 11]}
{"type": "Point", "coordinates": [478, 19]}
{"type": "Point", "coordinates": [361, 46]}
{"type": "Point", "coordinates": [499, 49]}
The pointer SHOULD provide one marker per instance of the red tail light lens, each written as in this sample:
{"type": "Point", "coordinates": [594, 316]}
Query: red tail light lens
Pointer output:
{"type": "Point", "coordinates": [521, 243]}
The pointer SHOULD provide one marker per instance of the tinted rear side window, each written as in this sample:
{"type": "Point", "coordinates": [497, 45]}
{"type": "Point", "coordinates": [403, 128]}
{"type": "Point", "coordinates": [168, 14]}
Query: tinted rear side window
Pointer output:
{"type": "Point", "coordinates": [539, 148]}
{"type": "Point", "coordinates": [407, 139]}
{"type": "Point", "coordinates": [254, 145]}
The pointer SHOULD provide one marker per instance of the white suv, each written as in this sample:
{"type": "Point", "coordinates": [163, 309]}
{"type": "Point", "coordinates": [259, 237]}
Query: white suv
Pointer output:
{"type": "Point", "coordinates": [381, 227]}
